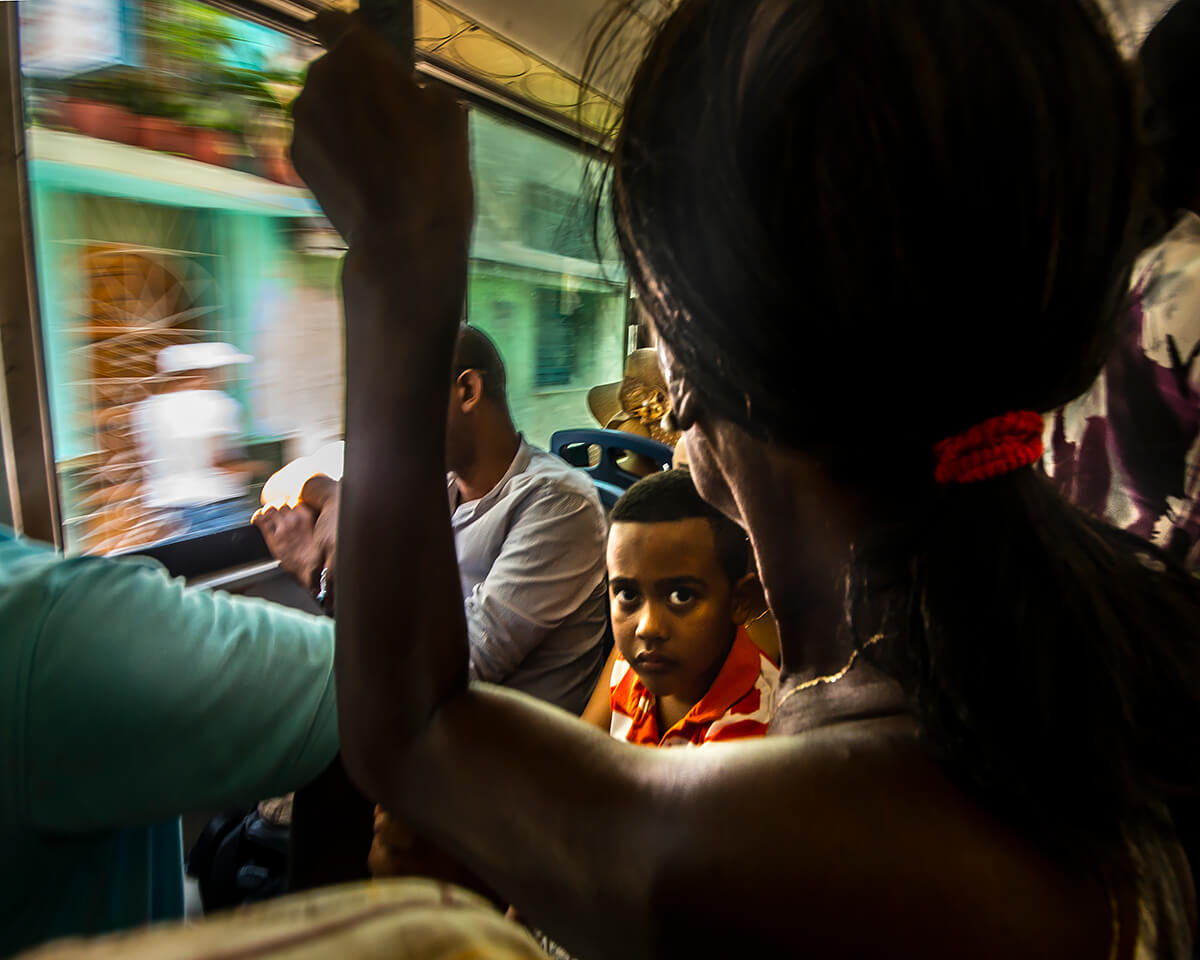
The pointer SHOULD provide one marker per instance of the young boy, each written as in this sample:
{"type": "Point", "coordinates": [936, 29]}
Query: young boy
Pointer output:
{"type": "Point", "coordinates": [684, 671]}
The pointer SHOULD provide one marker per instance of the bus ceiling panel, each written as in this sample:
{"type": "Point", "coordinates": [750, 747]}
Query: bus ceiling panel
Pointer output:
{"type": "Point", "coordinates": [524, 56]}
{"type": "Point", "coordinates": [558, 31]}
{"type": "Point", "coordinates": [529, 55]}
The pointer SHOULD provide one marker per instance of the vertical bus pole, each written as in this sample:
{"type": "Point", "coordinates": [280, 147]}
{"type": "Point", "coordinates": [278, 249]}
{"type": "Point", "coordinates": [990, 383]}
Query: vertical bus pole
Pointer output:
{"type": "Point", "coordinates": [394, 19]}
{"type": "Point", "coordinates": [331, 820]}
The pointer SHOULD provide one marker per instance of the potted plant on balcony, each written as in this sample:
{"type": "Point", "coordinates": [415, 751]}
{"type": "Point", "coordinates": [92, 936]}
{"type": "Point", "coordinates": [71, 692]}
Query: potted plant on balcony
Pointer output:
{"type": "Point", "coordinates": [160, 107]}
{"type": "Point", "coordinates": [96, 106]}
{"type": "Point", "coordinates": [226, 84]}
{"type": "Point", "coordinates": [216, 133]}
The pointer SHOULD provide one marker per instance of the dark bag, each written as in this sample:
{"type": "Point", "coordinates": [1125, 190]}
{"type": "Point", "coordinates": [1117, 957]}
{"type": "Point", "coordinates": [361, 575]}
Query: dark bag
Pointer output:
{"type": "Point", "coordinates": [239, 858]}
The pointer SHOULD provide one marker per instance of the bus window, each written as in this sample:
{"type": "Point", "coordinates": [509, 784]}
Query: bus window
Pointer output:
{"type": "Point", "coordinates": [188, 281]}
{"type": "Point", "coordinates": [187, 287]}
{"type": "Point", "coordinates": [557, 312]}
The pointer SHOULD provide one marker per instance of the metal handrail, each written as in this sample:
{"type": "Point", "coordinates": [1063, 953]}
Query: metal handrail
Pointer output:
{"type": "Point", "coordinates": [293, 18]}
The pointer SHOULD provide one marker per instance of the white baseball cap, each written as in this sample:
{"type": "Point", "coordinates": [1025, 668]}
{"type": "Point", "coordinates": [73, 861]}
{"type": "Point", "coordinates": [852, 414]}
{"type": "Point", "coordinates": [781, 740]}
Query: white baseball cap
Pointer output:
{"type": "Point", "coordinates": [199, 356]}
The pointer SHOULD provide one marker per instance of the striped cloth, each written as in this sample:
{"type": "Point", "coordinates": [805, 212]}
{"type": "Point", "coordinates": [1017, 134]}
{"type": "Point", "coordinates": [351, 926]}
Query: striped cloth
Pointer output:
{"type": "Point", "coordinates": [739, 704]}
{"type": "Point", "coordinates": [404, 919]}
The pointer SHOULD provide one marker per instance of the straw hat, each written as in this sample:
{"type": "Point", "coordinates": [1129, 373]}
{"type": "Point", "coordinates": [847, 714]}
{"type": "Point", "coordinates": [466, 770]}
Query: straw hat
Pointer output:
{"type": "Point", "coordinates": [638, 403]}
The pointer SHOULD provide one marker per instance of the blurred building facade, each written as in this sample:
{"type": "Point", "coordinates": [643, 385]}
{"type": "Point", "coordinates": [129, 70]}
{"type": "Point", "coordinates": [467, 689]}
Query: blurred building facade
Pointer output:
{"type": "Point", "coordinates": [166, 212]}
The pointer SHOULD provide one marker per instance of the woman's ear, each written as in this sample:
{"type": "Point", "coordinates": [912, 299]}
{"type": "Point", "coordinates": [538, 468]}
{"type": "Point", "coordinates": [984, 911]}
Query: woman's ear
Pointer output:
{"type": "Point", "coordinates": [749, 603]}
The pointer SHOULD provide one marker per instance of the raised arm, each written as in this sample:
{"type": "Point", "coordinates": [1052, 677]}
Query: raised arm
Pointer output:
{"type": "Point", "coordinates": [612, 850]}
{"type": "Point", "coordinates": [413, 735]}
{"type": "Point", "coordinates": [401, 615]}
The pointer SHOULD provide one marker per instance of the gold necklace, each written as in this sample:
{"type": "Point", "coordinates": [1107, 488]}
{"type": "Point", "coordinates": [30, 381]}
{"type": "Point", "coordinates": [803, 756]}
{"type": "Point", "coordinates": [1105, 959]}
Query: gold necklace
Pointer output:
{"type": "Point", "coordinates": [756, 619]}
{"type": "Point", "coordinates": [832, 678]}
{"type": "Point", "coordinates": [1113, 904]}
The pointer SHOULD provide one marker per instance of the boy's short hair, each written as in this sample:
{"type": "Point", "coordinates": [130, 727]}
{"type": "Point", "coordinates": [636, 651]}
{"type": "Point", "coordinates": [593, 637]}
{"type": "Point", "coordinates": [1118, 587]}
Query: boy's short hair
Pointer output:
{"type": "Point", "coordinates": [671, 495]}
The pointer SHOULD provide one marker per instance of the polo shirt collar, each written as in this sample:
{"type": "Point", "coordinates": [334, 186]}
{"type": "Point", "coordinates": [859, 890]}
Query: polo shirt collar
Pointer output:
{"type": "Point", "coordinates": [465, 511]}
{"type": "Point", "coordinates": [737, 678]}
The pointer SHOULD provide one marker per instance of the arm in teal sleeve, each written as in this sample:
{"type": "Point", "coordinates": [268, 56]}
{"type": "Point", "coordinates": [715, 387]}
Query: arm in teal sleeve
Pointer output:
{"type": "Point", "coordinates": [147, 699]}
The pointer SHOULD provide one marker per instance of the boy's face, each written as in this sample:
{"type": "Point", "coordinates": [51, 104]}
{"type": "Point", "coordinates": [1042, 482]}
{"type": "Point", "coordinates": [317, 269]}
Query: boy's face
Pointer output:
{"type": "Point", "coordinates": [672, 605]}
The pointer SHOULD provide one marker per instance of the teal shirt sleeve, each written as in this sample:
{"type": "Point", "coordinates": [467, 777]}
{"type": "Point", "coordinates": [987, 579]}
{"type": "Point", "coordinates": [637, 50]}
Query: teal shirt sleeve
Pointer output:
{"type": "Point", "coordinates": [147, 699]}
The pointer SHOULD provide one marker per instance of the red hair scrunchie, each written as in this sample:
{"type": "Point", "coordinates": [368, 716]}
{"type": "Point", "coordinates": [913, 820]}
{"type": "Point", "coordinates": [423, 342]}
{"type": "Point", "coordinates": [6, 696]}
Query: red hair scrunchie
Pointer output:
{"type": "Point", "coordinates": [990, 449]}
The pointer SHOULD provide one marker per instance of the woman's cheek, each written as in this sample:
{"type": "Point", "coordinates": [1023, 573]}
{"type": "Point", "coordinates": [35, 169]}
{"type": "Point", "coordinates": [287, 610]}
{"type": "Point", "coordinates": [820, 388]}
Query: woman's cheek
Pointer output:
{"type": "Point", "coordinates": [709, 480]}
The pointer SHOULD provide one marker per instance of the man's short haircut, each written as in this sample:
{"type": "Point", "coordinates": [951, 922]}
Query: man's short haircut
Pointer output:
{"type": "Point", "coordinates": [671, 495]}
{"type": "Point", "coordinates": [475, 350]}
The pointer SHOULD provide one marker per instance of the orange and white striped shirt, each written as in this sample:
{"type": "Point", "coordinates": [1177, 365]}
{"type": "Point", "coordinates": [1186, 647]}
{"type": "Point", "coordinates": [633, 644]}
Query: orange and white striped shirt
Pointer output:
{"type": "Point", "coordinates": [738, 705]}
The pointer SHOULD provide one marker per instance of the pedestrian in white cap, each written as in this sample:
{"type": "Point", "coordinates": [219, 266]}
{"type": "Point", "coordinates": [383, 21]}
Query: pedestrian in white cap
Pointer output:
{"type": "Point", "coordinates": [188, 432]}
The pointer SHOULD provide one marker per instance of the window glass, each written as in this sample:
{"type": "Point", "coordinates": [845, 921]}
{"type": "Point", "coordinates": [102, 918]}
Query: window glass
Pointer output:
{"type": "Point", "coordinates": [189, 310]}
{"type": "Point", "coordinates": [188, 281]}
{"type": "Point", "coordinates": [556, 305]}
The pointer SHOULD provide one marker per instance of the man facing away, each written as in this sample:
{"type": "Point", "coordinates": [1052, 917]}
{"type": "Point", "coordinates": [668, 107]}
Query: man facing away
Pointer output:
{"type": "Point", "coordinates": [127, 699]}
{"type": "Point", "coordinates": [529, 533]}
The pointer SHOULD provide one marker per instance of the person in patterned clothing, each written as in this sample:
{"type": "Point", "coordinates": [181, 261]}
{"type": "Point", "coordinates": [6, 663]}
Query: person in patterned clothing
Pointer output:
{"type": "Point", "coordinates": [1128, 450]}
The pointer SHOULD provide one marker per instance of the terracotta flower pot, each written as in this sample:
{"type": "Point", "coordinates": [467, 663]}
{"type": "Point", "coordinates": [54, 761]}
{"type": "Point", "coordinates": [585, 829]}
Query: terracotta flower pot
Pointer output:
{"type": "Point", "coordinates": [212, 146]}
{"type": "Point", "coordinates": [101, 120]}
{"type": "Point", "coordinates": [276, 164]}
{"type": "Point", "coordinates": [166, 136]}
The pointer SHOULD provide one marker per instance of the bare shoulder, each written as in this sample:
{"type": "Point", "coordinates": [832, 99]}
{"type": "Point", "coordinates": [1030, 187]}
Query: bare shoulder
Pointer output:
{"type": "Point", "coordinates": [851, 841]}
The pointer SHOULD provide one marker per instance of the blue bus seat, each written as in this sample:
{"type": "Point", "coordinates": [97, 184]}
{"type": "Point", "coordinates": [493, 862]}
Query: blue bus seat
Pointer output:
{"type": "Point", "coordinates": [610, 493]}
{"type": "Point", "coordinates": [611, 481]}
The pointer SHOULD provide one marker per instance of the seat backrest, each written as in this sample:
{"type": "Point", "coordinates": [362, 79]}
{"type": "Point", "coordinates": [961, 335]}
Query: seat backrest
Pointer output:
{"type": "Point", "coordinates": [609, 493]}
{"type": "Point", "coordinates": [610, 479]}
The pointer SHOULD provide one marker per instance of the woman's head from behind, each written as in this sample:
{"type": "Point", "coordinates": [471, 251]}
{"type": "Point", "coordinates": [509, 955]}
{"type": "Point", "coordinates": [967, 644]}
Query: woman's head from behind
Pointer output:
{"type": "Point", "coordinates": [863, 226]}
{"type": "Point", "coordinates": [869, 223]}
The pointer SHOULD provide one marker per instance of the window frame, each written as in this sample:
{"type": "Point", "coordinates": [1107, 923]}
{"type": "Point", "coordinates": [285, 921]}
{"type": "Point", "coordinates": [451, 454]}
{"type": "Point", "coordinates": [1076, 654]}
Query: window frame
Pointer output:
{"type": "Point", "coordinates": [28, 445]}
{"type": "Point", "coordinates": [26, 437]}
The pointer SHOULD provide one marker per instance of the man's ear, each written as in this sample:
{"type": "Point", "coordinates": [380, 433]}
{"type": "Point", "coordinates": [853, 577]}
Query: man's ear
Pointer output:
{"type": "Point", "coordinates": [749, 601]}
{"type": "Point", "coordinates": [470, 390]}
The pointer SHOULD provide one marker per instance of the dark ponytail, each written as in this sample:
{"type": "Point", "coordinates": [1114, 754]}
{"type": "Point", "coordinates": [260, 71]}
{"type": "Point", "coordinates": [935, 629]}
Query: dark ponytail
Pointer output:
{"type": "Point", "coordinates": [1052, 661]}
